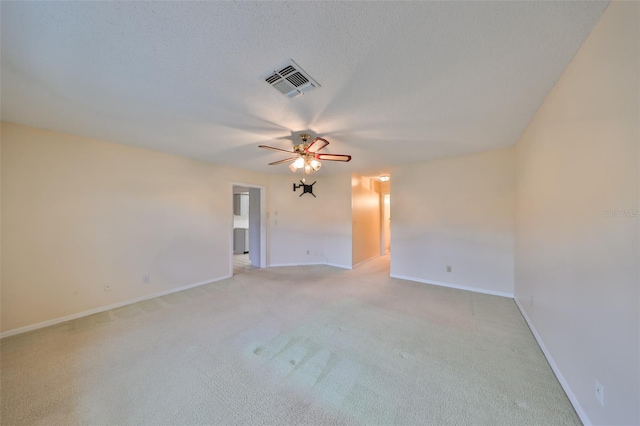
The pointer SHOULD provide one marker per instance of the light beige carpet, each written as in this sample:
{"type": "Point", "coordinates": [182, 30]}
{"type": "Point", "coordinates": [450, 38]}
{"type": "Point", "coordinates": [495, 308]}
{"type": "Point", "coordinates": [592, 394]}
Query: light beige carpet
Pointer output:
{"type": "Point", "coordinates": [295, 345]}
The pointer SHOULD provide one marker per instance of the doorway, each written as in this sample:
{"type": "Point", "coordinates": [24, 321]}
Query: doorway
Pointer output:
{"type": "Point", "coordinates": [248, 245]}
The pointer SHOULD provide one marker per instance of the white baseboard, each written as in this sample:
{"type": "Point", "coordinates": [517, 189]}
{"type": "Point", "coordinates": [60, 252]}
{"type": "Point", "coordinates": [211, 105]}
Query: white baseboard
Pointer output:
{"type": "Point", "coordinates": [335, 265]}
{"type": "Point", "coordinates": [574, 401]}
{"type": "Point", "coordinates": [54, 321]}
{"type": "Point", "coordinates": [459, 287]}
{"type": "Point", "coordinates": [367, 260]}
{"type": "Point", "coordinates": [278, 265]}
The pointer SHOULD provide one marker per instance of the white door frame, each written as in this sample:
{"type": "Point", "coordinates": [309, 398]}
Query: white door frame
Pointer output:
{"type": "Point", "coordinates": [263, 223]}
{"type": "Point", "coordinates": [383, 232]}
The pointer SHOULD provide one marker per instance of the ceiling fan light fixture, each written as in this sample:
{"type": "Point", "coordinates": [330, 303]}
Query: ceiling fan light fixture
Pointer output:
{"type": "Point", "coordinates": [299, 163]}
{"type": "Point", "coordinates": [384, 178]}
{"type": "Point", "coordinates": [315, 165]}
{"type": "Point", "coordinates": [293, 167]}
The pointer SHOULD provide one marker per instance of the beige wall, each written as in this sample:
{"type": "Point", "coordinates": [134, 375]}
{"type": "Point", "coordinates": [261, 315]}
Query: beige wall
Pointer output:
{"type": "Point", "coordinates": [455, 211]}
{"type": "Point", "coordinates": [79, 213]}
{"type": "Point", "coordinates": [365, 218]}
{"type": "Point", "coordinates": [0, 230]}
{"type": "Point", "coordinates": [577, 268]}
{"type": "Point", "coordinates": [320, 226]}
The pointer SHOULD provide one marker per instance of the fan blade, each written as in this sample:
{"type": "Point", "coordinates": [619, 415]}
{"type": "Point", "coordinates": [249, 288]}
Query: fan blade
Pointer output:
{"type": "Point", "coordinates": [283, 161]}
{"type": "Point", "coordinates": [317, 145]}
{"type": "Point", "coordinates": [276, 149]}
{"type": "Point", "coordinates": [333, 157]}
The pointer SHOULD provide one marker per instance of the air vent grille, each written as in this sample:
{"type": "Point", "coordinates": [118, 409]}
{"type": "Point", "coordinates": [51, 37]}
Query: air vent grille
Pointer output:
{"type": "Point", "coordinates": [273, 78]}
{"type": "Point", "coordinates": [287, 70]}
{"type": "Point", "coordinates": [290, 80]}
{"type": "Point", "coordinates": [284, 87]}
{"type": "Point", "coordinates": [297, 79]}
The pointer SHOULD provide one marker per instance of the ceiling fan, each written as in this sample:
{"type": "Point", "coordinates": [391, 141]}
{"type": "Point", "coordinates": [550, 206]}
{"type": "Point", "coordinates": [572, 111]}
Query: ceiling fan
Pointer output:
{"type": "Point", "coordinates": [306, 156]}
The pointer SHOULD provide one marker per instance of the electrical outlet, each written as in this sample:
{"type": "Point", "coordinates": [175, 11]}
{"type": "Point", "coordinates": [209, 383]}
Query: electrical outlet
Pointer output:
{"type": "Point", "coordinates": [307, 252]}
{"type": "Point", "coordinates": [107, 287]}
{"type": "Point", "coordinates": [146, 279]}
{"type": "Point", "coordinates": [448, 268]}
{"type": "Point", "coordinates": [599, 392]}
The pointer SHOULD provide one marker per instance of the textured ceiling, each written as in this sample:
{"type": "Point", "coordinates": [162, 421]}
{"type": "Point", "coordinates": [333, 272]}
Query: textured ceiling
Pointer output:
{"type": "Point", "coordinates": [401, 82]}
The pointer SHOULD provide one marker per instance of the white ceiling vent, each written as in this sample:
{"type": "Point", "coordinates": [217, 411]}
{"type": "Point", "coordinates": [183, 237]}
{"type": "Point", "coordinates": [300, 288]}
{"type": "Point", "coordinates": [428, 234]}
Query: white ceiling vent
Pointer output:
{"type": "Point", "coordinates": [290, 79]}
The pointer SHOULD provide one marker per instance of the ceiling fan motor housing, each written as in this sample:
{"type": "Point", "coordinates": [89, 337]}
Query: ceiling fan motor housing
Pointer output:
{"type": "Point", "coordinates": [300, 148]}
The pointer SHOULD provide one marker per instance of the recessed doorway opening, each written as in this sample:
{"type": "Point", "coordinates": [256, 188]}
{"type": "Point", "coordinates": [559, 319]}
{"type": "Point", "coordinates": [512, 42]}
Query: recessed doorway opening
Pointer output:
{"type": "Point", "coordinates": [248, 228]}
